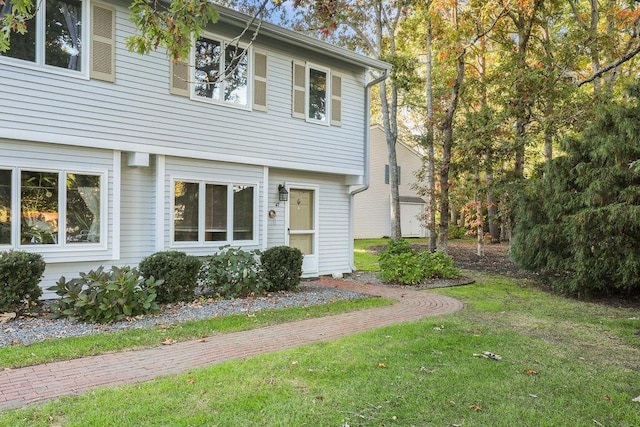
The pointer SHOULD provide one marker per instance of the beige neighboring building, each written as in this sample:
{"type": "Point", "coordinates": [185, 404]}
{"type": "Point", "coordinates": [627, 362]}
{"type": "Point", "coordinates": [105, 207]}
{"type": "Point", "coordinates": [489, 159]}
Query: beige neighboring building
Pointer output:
{"type": "Point", "coordinates": [372, 213]}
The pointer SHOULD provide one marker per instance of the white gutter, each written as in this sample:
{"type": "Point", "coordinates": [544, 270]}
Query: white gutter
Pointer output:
{"type": "Point", "coordinates": [367, 160]}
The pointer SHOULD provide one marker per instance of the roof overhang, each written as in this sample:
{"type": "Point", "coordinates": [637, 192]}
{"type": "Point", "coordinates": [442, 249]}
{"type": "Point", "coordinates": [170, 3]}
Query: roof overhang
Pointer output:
{"type": "Point", "coordinates": [295, 38]}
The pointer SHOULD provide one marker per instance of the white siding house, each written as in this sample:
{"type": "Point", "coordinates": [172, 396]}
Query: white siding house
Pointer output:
{"type": "Point", "coordinates": [373, 206]}
{"type": "Point", "coordinates": [108, 156]}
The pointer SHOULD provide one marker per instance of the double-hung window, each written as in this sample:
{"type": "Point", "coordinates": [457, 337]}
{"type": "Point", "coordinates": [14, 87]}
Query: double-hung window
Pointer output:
{"type": "Point", "coordinates": [221, 71]}
{"type": "Point", "coordinates": [55, 36]}
{"type": "Point", "coordinates": [54, 209]}
{"type": "Point", "coordinates": [317, 94]}
{"type": "Point", "coordinates": [206, 212]}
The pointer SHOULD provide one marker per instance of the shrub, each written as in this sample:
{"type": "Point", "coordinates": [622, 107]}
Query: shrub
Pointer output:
{"type": "Point", "coordinates": [105, 296]}
{"type": "Point", "coordinates": [177, 270]}
{"type": "Point", "coordinates": [456, 232]}
{"type": "Point", "coordinates": [281, 268]}
{"type": "Point", "coordinates": [578, 223]}
{"type": "Point", "coordinates": [20, 274]}
{"type": "Point", "coordinates": [232, 272]}
{"type": "Point", "coordinates": [401, 264]}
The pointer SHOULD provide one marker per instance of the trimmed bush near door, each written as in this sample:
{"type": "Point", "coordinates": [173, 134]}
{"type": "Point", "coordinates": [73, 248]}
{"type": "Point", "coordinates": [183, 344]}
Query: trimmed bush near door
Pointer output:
{"type": "Point", "coordinates": [20, 275]}
{"type": "Point", "coordinates": [282, 268]}
{"type": "Point", "coordinates": [178, 271]}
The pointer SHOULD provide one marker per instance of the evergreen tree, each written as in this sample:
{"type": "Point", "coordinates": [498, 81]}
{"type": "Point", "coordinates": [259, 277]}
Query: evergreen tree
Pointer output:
{"type": "Point", "coordinates": [579, 221]}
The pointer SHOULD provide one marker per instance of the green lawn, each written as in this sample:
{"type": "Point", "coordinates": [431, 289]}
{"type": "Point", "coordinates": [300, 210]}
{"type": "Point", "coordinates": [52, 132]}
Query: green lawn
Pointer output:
{"type": "Point", "coordinates": [564, 363]}
{"type": "Point", "coordinates": [74, 347]}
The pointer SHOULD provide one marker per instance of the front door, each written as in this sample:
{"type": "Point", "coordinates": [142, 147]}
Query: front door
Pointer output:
{"type": "Point", "coordinates": [302, 227]}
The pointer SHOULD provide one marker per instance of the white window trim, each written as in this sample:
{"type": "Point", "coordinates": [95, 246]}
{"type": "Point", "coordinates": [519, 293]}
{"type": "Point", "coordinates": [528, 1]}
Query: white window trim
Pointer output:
{"type": "Point", "coordinates": [192, 73]}
{"type": "Point", "coordinates": [327, 113]}
{"type": "Point", "coordinates": [39, 64]}
{"type": "Point", "coordinates": [201, 243]}
{"type": "Point", "coordinates": [61, 251]}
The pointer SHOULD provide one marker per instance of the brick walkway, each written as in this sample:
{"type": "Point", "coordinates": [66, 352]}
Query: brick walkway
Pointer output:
{"type": "Point", "coordinates": [20, 387]}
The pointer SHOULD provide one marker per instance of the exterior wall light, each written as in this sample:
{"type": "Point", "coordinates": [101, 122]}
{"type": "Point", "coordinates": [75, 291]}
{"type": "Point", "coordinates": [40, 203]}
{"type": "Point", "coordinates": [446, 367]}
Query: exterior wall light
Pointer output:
{"type": "Point", "coordinates": [283, 194]}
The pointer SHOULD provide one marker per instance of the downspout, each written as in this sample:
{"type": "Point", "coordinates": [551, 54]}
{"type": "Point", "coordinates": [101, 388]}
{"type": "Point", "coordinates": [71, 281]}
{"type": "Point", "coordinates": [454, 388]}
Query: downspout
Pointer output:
{"type": "Point", "coordinates": [367, 159]}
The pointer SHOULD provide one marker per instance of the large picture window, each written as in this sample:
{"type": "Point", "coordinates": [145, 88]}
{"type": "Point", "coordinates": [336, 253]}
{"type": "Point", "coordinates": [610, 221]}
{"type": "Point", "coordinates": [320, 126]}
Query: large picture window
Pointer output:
{"type": "Point", "coordinates": [54, 208]}
{"type": "Point", "coordinates": [207, 212]}
{"type": "Point", "coordinates": [60, 44]}
{"type": "Point", "coordinates": [221, 71]}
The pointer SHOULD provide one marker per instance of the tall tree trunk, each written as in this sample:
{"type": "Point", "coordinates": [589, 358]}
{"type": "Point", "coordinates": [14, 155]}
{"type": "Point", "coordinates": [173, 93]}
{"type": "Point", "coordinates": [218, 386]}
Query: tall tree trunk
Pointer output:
{"type": "Point", "coordinates": [479, 216]}
{"type": "Point", "coordinates": [389, 115]}
{"type": "Point", "coordinates": [447, 144]}
{"type": "Point", "coordinates": [492, 211]}
{"type": "Point", "coordinates": [430, 173]}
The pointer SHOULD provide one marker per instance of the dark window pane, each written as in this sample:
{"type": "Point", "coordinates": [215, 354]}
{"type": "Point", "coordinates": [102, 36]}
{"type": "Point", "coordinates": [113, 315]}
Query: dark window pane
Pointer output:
{"type": "Point", "coordinates": [63, 43]}
{"type": "Point", "coordinates": [83, 208]}
{"type": "Point", "coordinates": [22, 46]}
{"type": "Point", "coordinates": [207, 73]}
{"type": "Point", "coordinates": [5, 207]}
{"type": "Point", "coordinates": [216, 213]}
{"type": "Point", "coordinates": [317, 94]}
{"type": "Point", "coordinates": [185, 212]}
{"type": "Point", "coordinates": [236, 69]}
{"type": "Point", "coordinates": [39, 208]}
{"type": "Point", "coordinates": [242, 212]}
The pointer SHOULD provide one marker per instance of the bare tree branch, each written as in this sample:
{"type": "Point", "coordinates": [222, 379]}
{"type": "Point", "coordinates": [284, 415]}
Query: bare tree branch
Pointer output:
{"type": "Point", "coordinates": [611, 66]}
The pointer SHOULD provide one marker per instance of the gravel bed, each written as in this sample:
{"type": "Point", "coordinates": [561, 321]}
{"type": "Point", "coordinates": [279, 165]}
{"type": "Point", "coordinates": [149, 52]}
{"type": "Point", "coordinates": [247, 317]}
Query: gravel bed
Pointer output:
{"type": "Point", "coordinates": [28, 330]}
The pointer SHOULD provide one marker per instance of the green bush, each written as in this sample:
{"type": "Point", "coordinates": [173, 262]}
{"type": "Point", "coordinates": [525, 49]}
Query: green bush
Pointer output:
{"type": "Point", "coordinates": [578, 220]}
{"type": "Point", "coordinates": [456, 232]}
{"type": "Point", "coordinates": [403, 265]}
{"type": "Point", "coordinates": [20, 274]}
{"type": "Point", "coordinates": [177, 270]}
{"type": "Point", "coordinates": [232, 272]}
{"type": "Point", "coordinates": [105, 296]}
{"type": "Point", "coordinates": [281, 268]}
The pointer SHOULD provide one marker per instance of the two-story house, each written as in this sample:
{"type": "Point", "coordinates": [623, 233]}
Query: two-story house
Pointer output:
{"type": "Point", "coordinates": [109, 156]}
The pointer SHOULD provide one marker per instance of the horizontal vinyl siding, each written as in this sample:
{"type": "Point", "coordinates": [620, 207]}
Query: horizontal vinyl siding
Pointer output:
{"type": "Point", "coordinates": [138, 109]}
{"type": "Point", "coordinates": [137, 225]}
{"type": "Point", "coordinates": [333, 227]}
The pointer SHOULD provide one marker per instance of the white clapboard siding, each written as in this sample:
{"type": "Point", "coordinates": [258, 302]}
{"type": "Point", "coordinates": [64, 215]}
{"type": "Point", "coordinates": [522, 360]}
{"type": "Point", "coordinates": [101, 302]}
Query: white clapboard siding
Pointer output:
{"type": "Point", "coordinates": [138, 108]}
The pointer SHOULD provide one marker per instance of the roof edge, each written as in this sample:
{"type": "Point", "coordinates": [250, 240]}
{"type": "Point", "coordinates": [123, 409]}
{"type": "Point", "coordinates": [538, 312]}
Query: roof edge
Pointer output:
{"type": "Point", "coordinates": [234, 17]}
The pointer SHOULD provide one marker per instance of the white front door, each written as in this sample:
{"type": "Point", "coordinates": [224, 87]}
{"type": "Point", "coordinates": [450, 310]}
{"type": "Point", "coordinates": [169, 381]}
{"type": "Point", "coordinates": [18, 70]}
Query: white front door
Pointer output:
{"type": "Point", "coordinates": [302, 226]}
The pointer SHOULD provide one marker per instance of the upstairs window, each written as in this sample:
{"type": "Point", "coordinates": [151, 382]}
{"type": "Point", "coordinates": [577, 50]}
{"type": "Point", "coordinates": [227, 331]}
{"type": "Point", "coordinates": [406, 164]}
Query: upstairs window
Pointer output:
{"type": "Point", "coordinates": [54, 35]}
{"type": "Point", "coordinates": [317, 94]}
{"type": "Point", "coordinates": [221, 71]}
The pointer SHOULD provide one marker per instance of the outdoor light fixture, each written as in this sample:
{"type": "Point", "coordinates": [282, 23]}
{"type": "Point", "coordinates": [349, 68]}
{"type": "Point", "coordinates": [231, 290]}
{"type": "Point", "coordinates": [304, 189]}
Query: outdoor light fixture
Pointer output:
{"type": "Point", "coordinates": [283, 194]}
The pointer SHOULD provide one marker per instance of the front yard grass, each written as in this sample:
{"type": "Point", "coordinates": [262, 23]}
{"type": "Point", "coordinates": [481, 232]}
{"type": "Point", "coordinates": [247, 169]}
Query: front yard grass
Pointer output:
{"type": "Point", "coordinates": [74, 347]}
{"type": "Point", "coordinates": [563, 363]}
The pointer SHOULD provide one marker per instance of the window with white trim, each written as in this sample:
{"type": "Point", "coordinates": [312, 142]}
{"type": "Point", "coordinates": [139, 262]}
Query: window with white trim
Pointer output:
{"type": "Point", "coordinates": [317, 94]}
{"type": "Point", "coordinates": [54, 209]}
{"type": "Point", "coordinates": [221, 71]}
{"type": "Point", "coordinates": [54, 36]}
{"type": "Point", "coordinates": [206, 212]}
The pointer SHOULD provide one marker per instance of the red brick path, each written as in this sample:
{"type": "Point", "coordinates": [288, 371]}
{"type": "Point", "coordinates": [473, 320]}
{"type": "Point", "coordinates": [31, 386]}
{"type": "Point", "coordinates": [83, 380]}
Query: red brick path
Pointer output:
{"type": "Point", "coordinates": [20, 387]}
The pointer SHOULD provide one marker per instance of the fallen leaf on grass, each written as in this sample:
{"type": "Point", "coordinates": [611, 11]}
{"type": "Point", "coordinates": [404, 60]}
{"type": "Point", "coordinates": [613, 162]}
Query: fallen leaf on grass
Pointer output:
{"type": "Point", "coordinates": [168, 341]}
{"type": "Point", "coordinates": [426, 370]}
{"type": "Point", "coordinates": [637, 399]}
{"type": "Point", "coordinates": [381, 365]}
{"type": "Point", "coordinates": [608, 398]}
{"type": "Point", "coordinates": [191, 380]}
{"type": "Point", "coordinates": [530, 372]}
{"type": "Point", "coordinates": [475, 407]}
{"type": "Point", "coordinates": [488, 355]}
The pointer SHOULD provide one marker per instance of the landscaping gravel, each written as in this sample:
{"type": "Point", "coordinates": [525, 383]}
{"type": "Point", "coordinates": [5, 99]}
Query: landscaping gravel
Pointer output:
{"type": "Point", "coordinates": [27, 330]}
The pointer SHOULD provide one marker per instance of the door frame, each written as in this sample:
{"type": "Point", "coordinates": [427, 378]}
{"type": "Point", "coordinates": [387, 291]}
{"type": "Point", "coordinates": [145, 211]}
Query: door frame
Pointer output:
{"type": "Point", "coordinates": [310, 264]}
